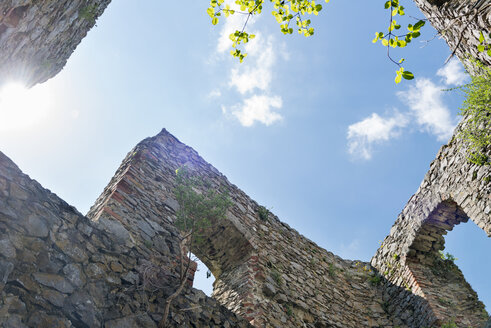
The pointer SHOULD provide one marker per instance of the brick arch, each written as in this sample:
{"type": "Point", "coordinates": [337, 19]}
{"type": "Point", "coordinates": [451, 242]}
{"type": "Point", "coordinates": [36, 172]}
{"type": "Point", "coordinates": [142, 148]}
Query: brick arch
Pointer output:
{"type": "Point", "coordinates": [429, 239]}
{"type": "Point", "coordinates": [440, 282]}
{"type": "Point", "coordinates": [410, 259]}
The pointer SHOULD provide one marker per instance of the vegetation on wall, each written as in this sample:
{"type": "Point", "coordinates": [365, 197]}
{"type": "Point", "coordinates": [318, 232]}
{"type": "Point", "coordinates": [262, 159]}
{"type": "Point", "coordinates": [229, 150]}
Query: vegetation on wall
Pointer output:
{"type": "Point", "coordinates": [476, 109]}
{"type": "Point", "coordinates": [200, 206]}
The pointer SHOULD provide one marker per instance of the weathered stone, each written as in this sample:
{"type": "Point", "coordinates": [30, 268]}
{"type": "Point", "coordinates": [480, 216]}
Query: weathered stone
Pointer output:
{"type": "Point", "coordinates": [6, 248]}
{"type": "Point", "coordinates": [269, 290]}
{"type": "Point", "coordinates": [95, 271]}
{"type": "Point", "coordinates": [72, 250]}
{"type": "Point", "coordinates": [131, 278]}
{"type": "Point", "coordinates": [14, 305]}
{"type": "Point", "coordinates": [54, 281]}
{"type": "Point", "coordinates": [13, 321]}
{"type": "Point", "coordinates": [54, 297]}
{"type": "Point", "coordinates": [36, 227]}
{"type": "Point", "coordinates": [42, 320]}
{"type": "Point", "coordinates": [143, 321]}
{"type": "Point", "coordinates": [172, 203]}
{"type": "Point", "coordinates": [116, 229]}
{"type": "Point", "coordinates": [116, 267]}
{"type": "Point", "coordinates": [18, 192]}
{"type": "Point", "coordinates": [74, 274]}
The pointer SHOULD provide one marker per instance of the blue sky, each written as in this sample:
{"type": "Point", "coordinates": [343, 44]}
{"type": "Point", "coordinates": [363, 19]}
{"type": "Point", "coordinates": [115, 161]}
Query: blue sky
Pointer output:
{"type": "Point", "coordinates": [313, 128]}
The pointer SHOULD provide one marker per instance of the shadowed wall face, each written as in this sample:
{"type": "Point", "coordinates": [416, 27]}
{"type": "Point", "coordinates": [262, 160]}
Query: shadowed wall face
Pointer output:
{"type": "Point", "coordinates": [452, 191]}
{"type": "Point", "coordinates": [38, 37]}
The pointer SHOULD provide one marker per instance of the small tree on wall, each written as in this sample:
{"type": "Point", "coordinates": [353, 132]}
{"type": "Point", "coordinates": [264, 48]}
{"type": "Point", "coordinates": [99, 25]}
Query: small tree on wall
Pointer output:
{"type": "Point", "coordinates": [200, 206]}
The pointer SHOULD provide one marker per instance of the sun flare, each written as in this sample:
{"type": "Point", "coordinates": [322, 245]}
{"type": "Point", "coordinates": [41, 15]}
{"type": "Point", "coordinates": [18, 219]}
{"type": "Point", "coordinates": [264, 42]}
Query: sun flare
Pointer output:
{"type": "Point", "coordinates": [22, 108]}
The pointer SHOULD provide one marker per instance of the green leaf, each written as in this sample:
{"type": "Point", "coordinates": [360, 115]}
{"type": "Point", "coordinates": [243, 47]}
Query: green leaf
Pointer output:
{"type": "Point", "coordinates": [481, 37]}
{"type": "Point", "coordinates": [407, 75]}
{"type": "Point", "coordinates": [419, 25]}
{"type": "Point", "coordinates": [385, 43]}
{"type": "Point", "coordinates": [480, 48]}
{"type": "Point", "coordinates": [214, 21]}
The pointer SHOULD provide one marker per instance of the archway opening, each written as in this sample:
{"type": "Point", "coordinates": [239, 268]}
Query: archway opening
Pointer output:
{"type": "Point", "coordinates": [435, 274]}
{"type": "Point", "coordinates": [469, 245]}
{"type": "Point", "coordinates": [203, 277]}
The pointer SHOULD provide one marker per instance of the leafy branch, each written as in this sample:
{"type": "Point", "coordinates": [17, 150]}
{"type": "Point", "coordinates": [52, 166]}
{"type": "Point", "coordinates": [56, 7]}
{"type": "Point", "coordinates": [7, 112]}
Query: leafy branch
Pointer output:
{"type": "Point", "coordinates": [391, 40]}
{"type": "Point", "coordinates": [285, 11]}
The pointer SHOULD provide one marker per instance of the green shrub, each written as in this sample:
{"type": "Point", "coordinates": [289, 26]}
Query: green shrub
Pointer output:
{"type": "Point", "coordinates": [476, 109]}
{"type": "Point", "coordinates": [263, 213]}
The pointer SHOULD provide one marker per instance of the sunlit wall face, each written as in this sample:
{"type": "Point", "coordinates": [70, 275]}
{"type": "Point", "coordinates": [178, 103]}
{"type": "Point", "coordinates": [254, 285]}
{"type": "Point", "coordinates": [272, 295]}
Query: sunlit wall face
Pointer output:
{"type": "Point", "coordinates": [22, 108]}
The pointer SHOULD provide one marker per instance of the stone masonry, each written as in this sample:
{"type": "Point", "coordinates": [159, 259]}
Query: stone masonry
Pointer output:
{"type": "Point", "coordinates": [460, 22]}
{"type": "Point", "coordinates": [452, 191]}
{"type": "Point", "coordinates": [38, 36]}
{"type": "Point", "coordinates": [60, 269]}
{"type": "Point", "coordinates": [115, 267]}
{"type": "Point", "coordinates": [265, 271]}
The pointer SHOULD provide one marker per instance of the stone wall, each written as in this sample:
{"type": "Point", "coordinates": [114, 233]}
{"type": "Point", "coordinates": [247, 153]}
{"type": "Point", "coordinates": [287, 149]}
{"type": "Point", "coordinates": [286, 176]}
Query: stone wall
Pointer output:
{"type": "Point", "coordinates": [59, 269]}
{"type": "Point", "coordinates": [265, 271]}
{"type": "Point", "coordinates": [38, 36]}
{"type": "Point", "coordinates": [116, 266]}
{"type": "Point", "coordinates": [459, 22]}
{"type": "Point", "coordinates": [452, 191]}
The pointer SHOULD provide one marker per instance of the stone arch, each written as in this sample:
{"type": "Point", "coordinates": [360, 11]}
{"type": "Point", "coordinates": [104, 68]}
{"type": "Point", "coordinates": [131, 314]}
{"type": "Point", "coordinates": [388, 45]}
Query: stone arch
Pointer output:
{"type": "Point", "coordinates": [140, 200]}
{"type": "Point", "coordinates": [231, 257]}
{"type": "Point", "coordinates": [429, 240]}
{"type": "Point", "coordinates": [438, 280]}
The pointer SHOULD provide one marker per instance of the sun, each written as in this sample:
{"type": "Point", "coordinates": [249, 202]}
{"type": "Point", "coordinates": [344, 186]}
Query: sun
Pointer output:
{"type": "Point", "coordinates": [22, 108]}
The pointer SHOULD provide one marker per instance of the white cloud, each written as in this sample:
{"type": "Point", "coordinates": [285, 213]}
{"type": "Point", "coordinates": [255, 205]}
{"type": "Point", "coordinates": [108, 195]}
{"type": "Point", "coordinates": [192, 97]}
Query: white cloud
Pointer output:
{"type": "Point", "coordinates": [253, 78]}
{"type": "Point", "coordinates": [374, 129]}
{"type": "Point", "coordinates": [257, 108]}
{"type": "Point", "coordinates": [426, 104]}
{"type": "Point", "coordinates": [230, 25]}
{"type": "Point", "coordinates": [246, 78]}
{"type": "Point", "coordinates": [216, 93]}
{"type": "Point", "coordinates": [453, 73]}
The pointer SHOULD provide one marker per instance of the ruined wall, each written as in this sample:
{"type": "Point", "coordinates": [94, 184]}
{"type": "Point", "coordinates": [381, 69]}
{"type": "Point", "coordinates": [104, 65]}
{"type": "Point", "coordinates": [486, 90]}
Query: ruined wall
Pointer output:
{"type": "Point", "coordinates": [38, 36]}
{"type": "Point", "coordinates": [459, 22]}
{"type": "Point", "coordinates": [59, 269]}
{"type": "Point", "coordinates": [452, 191]}
{"type": "Point", "coordinates": [265, 271]}
{"type": "Point", "coordinates": [117, 265]}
